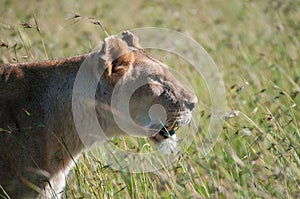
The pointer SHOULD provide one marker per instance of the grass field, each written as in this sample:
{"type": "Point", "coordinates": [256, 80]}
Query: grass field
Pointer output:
{"type": "Point", "coordinates": [255, 45]}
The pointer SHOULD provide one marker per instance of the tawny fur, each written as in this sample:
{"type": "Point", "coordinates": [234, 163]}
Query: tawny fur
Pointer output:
{"type": "Point", "coordinates": [38, 139]}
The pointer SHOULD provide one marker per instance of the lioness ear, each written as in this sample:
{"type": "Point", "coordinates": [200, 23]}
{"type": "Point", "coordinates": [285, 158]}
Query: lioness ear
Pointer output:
{"type": "Point", "coordinates": [130, 39]}
{"type": "Point", "coordinates": [117, 56]}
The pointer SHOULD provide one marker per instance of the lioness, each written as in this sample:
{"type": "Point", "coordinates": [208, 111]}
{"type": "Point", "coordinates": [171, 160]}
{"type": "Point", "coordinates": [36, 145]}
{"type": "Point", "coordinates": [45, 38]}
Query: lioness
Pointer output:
{"type": "Point", "coordinates": [38, 138]}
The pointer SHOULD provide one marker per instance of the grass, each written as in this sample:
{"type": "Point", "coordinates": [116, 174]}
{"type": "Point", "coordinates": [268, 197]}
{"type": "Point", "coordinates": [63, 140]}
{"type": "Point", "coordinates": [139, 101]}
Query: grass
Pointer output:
{"type": "Point", "coordinates": [256, 46]}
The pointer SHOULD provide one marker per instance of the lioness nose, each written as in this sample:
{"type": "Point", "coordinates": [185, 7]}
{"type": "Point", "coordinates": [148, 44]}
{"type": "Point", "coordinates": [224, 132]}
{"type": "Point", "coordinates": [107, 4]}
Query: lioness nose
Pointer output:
{"type": "Point", "coordinates": [191, 103]}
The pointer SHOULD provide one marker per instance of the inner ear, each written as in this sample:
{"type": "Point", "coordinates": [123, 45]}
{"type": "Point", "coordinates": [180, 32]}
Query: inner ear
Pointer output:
{"type": "Point", "coordinates": [120, 66]}
{"type": "Point", "coordinates": [117, 56]}
{"type": "Point", "coordinates": [122, 63]}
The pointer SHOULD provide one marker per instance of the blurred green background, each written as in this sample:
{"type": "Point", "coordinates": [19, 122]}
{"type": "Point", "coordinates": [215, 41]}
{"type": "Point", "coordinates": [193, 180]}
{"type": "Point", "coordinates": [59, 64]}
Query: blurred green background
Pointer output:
{"type": "Point", "coordinates": [255, 45]}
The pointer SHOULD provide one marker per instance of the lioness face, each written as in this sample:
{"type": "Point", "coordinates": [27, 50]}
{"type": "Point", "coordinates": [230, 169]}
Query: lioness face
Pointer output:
{"type": "Point", "coordinates": [159, 103]}
{"type": "Point", "coordinates": [162, 104]}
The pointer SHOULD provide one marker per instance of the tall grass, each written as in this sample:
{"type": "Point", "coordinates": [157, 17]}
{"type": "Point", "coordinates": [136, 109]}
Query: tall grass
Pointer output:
{"type": "Point", "coordinates": [256, 47]}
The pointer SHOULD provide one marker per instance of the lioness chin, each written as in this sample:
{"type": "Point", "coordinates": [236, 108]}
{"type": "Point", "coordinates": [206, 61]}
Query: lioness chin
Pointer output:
{"type": "Point", "coordinates": [38, 137]}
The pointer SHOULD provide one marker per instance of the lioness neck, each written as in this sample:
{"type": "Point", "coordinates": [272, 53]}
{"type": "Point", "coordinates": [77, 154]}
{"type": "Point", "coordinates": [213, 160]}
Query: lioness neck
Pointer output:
{"type": "Point", "coordinates": [37, 101]}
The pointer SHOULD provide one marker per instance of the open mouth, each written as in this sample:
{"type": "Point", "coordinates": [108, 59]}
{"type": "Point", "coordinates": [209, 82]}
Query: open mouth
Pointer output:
{"type": "Point", "coordinates": [168, 130]}
{"type": "Point", "coordinates": [165, 133]}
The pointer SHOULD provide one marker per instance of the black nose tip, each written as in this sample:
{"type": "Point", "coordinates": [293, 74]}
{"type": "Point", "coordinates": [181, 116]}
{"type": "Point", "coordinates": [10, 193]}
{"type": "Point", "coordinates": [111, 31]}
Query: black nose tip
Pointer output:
{"type": "Point", "coordinates": [192, 103]}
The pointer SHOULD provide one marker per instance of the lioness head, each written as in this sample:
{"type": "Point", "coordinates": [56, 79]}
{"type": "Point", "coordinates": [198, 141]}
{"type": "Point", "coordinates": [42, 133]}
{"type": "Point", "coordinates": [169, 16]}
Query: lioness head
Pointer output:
{"type": "Point", "coordinates": [158, 102]}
